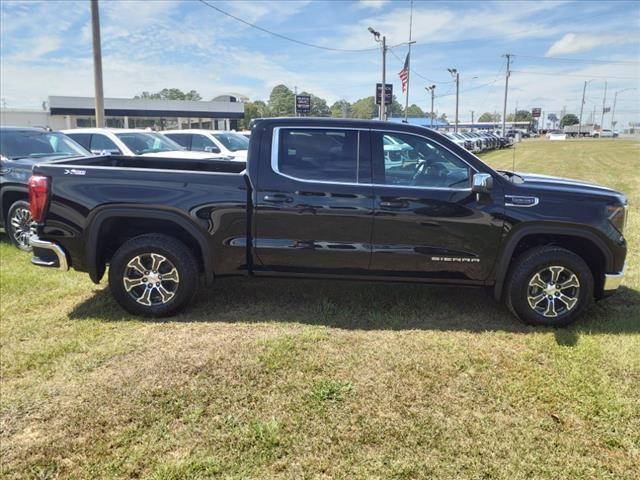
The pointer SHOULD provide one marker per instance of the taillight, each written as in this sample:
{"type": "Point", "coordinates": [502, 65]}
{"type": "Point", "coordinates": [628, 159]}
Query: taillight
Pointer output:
{"type": "Point", "coordinates": [38, 189]}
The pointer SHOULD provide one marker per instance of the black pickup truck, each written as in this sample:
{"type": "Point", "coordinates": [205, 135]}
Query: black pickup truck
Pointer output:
{"type": "Point", "coordinates": [333, 199]}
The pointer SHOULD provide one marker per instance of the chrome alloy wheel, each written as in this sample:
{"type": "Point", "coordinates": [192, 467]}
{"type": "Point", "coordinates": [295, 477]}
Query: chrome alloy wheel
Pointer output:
{"type": "Point", "coordinates": [553, 291]}
{"type": "Point", "coordinates": [23, 227]}
{"type": "Point", "coordinates": [151, 279]}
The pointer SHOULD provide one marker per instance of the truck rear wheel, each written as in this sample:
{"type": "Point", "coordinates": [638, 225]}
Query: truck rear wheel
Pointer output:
{"type": "Point", "coordinates": [153, 275]}
{"type": "Point", "coordinates": [549, 286]}
{"type": "Point", "coordinates": [20, 226]}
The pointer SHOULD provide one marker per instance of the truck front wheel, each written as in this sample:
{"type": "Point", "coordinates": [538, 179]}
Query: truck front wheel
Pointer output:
{"type": "Point", "coordinates": [549, 286]}
{"type": "Point", "coordinates": [153, 275]}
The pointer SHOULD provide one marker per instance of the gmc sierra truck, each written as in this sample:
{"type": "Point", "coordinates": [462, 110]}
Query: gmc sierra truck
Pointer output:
{"type": "Point", "coordinates": [329, 198]}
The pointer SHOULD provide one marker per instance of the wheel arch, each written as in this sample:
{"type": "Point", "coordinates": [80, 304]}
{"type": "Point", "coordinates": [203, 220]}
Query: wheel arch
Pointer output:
{"type": "Point", "coordinates": [10, 195]}
{"type": "Point", "coordinates": [110, 227]}
{"type": "Point", "coordinates": [585, 243]}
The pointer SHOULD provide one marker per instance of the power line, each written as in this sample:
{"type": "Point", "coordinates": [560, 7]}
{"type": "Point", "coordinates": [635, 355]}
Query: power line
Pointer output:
{"type": "Point", "coordinates": [556, 74]}
{"type": "Point", "coordinates": [284, 37]}
{"type": "Point", "coordinates": [583, 60]}
{"type": "Point", "coordinates": [416, 73]}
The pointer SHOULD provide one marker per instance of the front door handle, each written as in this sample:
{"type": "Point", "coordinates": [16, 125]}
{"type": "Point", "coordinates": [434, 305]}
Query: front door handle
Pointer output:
{"type": "Point", "coordinates": [278, 198]}
{"type": "Point", "coordinates": [394, 204]}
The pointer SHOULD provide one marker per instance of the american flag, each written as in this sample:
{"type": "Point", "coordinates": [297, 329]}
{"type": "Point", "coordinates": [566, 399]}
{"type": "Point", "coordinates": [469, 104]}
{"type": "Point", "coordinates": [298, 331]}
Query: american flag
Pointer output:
{"type": "Point", "coordinates": [404, 74]}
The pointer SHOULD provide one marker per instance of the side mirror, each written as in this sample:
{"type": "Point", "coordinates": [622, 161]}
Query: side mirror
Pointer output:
{"type": "Point", "coordinates": [482, 183]}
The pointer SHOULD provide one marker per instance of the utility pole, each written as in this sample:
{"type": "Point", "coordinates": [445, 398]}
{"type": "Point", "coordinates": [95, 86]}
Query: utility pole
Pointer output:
{"type": "Point", "coordinates": [455, 74]}
{"type": "Point", "coordinates": [604, 101]}
{"type": "Point", "coordinates": [613, 110]}
{"type": "Point", "coordinates": [472, 118]}
{"type": "Point", "coordinates": [406, 100]}
{"type": "Point", "coordinates": [584, 90]}
{"type": "Point", "coordinates": [383, 97]}
{"type": "Point", "coordinates": [97, 64]}
{"type": "Point", "coordinates": [431, 89]}
{"type": "Point", "coordinates": [506, 90]}
{"type": "Point", "coordinates": [295, 104]}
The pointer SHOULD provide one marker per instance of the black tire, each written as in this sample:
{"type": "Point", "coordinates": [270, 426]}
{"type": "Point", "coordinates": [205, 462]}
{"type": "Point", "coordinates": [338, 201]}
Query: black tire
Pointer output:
{"type": "Point", "coordinates": [19, 225]}
{"type": "Point", "coordinates": [146, 299]}
{"type": "Point", "coordinates": [571, 301]}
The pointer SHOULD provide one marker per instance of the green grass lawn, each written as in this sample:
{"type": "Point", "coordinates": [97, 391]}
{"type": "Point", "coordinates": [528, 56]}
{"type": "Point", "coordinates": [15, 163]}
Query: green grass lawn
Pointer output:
{"type": "Point", "coordinates": [318, 379]}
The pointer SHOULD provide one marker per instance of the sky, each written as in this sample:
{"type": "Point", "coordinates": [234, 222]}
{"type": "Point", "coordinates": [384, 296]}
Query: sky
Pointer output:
{"type": "Point", "coordinates": [45, 49]}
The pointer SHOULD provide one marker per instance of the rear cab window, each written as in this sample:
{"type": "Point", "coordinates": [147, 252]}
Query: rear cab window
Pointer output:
{"type": "Point", "coordinates": [325, 155]}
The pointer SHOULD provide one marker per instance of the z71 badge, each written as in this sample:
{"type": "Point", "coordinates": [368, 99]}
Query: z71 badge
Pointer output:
{"type": "Point", "coordinates": [73, 171]}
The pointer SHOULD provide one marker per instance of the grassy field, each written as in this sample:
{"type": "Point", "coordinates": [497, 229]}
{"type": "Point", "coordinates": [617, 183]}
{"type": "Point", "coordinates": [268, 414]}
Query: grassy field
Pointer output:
{"type": "Point", "coordinates": [315, 379]}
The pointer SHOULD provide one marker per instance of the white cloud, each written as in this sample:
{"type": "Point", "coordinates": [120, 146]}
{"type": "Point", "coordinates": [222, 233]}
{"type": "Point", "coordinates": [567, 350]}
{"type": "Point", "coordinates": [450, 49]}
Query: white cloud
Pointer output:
{"type": "Point", "coordinates": [375, 4]}
{"type": "Point", "coordinates": [576, 43]}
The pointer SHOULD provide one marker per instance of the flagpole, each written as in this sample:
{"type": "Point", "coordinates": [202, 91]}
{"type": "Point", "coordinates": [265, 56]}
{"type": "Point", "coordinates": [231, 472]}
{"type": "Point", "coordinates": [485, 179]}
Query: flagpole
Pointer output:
{"type": "Point", "coordinates": [406, 101]}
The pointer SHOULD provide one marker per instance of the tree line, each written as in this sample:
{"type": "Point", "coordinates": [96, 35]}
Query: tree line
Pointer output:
{"type": "Point", "coordinates": [281, 104]}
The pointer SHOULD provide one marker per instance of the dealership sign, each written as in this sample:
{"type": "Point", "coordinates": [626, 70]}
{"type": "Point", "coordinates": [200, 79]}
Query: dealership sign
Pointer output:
{"type": "Point", "coordinates": [536, 112]}
{"type": "Point", "coordinates": [303, 104]}
{"type": "Point", "coordinates": [388, 93]}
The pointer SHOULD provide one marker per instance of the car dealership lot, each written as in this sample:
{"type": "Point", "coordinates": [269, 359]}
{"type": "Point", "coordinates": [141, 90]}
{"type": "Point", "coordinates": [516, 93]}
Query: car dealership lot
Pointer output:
{"type": "Point", "coordinates": [285, 378]}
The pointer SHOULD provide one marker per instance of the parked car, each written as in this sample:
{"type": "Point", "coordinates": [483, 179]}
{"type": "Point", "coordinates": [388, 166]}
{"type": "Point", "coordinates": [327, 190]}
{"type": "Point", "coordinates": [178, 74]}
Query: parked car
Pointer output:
{"type": "Point", "coordinates": [230, 144]}
{"type": "Point", "coordinates": [130, 142]}
{"type": "Point", "coordinates": [317, 198]}
{"type": "Point", "coordinates": [20, 149]}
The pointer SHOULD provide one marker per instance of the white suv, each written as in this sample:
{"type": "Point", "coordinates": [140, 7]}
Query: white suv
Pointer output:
{"type": "Point", "coordinates": [132, 142]}
{"type": "Point", "coordinates": [229, 144]}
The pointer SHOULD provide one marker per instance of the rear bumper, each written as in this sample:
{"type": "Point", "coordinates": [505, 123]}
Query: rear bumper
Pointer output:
{"type": "Point", "coordinates": [612, 281]}
{"type": "Point", "coordinates": [48, 254]}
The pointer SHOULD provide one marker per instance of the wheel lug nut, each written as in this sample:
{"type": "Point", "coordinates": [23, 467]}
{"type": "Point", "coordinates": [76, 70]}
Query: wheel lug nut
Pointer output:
{"type": "Point", "coordinates": [144, 279]}
{"type": "Point", "coordinates": [157, 284]}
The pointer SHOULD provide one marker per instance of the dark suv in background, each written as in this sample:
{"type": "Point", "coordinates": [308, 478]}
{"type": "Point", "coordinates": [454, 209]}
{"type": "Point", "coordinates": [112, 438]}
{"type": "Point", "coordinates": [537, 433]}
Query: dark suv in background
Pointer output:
{"type": "Point", "coordinates": [20, 149]}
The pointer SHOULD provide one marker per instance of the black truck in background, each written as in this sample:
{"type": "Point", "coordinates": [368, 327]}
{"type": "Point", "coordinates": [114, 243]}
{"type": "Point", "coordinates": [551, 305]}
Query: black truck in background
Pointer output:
{"type": "Point", "coordinates": [332, 199]}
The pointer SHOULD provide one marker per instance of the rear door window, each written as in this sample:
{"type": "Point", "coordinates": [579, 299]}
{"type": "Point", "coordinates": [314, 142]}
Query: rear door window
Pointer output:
{"type": "Point", "coordinates": [182, 139]}
{"type": "Point", "coordinates": [204, 144]}
{"type": "Point", "coordinates": [319, 154]}
{"type": "Point", "coordinates": [102, 142]}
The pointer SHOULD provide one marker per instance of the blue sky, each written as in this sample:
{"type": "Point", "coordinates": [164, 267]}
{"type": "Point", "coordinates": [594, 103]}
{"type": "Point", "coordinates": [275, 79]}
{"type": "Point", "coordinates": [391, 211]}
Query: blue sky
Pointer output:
{"type": "Point", "coordinates": [148, 45]}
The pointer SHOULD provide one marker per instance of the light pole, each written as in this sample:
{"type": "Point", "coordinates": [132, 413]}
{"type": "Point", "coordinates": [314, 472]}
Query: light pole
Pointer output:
{"type": "Point", "coordinates": [584, 90]}
{"type": "Point", "coordinates": [455, 74]}
{"type": "Point", "coordinates": [383, 97]}
{"type": "Point", "coordinates": [613, 110]}
{"type": "Point", "coordinates": [97, 64]}
{"type": "Point", "coordinates": [431, 89]}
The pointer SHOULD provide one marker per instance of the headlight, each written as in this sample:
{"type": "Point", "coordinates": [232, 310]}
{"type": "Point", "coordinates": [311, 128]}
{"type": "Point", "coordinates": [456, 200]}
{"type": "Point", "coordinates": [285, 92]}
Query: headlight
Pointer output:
{"type": "Point", "coordinates": [618, 216]}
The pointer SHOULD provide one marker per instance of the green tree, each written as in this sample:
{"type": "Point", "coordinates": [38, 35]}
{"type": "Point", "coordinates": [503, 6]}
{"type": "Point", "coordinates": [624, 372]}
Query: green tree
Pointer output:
{"type": "Point", "coordinates": [365, 108]}
{"type": "Point", "coordinates": [171, 94]}
{"type": "Point", "coordinates": [415, 111]}
{"type": "Point", "coordinates": [281, 101]}
{"type": "Point", "coordinates": [395, 109]}
{"type": "Point", "coordinates": [569, 119]}
{"type": "Point", "coordinates": [341, 109]}
{"type": "Point", "coordinates": [257, 109]}
{"type": "Point", "coordinates": [490, 117]}
{"type": "Point", "coordinates": [520, 116]}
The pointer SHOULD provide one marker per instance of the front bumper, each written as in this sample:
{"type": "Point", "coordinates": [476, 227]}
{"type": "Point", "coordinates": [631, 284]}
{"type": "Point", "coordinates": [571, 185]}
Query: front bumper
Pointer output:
{"type": "Point", "coordinates": [48, 254]}
{"type": "Point", "coordinates": [612, 281]}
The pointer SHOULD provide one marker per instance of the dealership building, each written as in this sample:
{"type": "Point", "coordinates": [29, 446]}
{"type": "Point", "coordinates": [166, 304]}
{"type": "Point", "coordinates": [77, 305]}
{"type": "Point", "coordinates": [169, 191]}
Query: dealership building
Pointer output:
{"type": "Point", "coordinates": [59, 112]}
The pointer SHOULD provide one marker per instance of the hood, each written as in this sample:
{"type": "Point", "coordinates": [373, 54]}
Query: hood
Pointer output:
{"type": "Point", "coordinates": [186, 154]}
{"type": "Point", "coordinates": [546, 182]}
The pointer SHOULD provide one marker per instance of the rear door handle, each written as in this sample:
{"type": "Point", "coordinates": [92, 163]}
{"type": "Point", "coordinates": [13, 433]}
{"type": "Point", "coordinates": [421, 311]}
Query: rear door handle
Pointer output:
{"type": "Point", "coordinates": [394, 204]}
{"type": "Point", "coordinates": [278, 198]}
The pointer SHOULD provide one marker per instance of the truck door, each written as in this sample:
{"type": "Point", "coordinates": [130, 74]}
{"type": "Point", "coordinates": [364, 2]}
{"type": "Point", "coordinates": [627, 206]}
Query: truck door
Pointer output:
{"type": "Point", "coordinates": [313, 202]}
{"type": "Point", "coordinates": [427, 223]}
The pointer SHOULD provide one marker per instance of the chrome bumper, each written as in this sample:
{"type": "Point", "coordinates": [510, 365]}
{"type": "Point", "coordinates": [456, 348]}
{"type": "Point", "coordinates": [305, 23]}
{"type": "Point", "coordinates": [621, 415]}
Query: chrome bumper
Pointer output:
{"type": "Point", "coordinates": [613, 280]}
{"type": "Point", "coordinates": [54, 258]}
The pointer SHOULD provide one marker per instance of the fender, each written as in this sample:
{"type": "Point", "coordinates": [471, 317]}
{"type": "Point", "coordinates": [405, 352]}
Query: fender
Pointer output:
{"type": "Point", "coordinates": [4, 191]}
{"type": "Point", "coordinates": [97, 217]}
{"type": "Point", "coordinates": [518, 233]}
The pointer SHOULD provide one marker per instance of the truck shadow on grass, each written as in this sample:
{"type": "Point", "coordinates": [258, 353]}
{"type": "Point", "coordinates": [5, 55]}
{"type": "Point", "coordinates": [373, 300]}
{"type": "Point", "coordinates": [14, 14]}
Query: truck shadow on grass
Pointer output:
{"type": "Point", "coordinates": [369, 306]}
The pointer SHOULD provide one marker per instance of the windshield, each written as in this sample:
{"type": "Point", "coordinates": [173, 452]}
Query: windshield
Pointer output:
{"type": "Point", "coordinates": [147, 142]}
{"type": "Point", "coordinates": [232, 141]}
{"type": "Point", "coordinates": [15, 144]}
